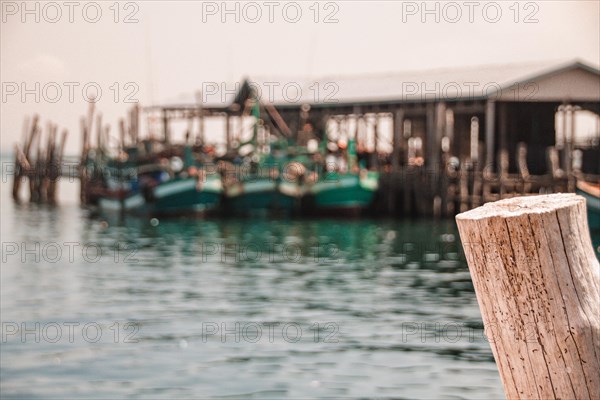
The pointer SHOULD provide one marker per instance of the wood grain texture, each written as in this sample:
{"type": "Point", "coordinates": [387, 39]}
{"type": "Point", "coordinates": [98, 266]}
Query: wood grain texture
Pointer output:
{"type": "Point", "coordinates": [537, 281]}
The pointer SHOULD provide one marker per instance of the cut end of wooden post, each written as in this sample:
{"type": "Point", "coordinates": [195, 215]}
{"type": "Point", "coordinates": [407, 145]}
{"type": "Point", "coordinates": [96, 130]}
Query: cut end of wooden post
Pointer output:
{"type": "Point", "coordinates": [517, 206]}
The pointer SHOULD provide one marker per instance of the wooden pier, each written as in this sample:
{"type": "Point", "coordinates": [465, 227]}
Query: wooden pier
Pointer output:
{"type": "Point", "coordinates": [450, 149]}
{"type": "Point", "coordinates": [445, 151]}
{"type": "Point", "coordinates": [41, 166]}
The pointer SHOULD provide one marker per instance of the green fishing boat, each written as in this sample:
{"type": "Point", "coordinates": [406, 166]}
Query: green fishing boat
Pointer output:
{"type": "Point", "coordinates": [347, 191]}
{"type": "Point", "coordinates": [260, 184]}
{"type": "Point", "coordinates": [172, 186]}
{"type": "Point", "coordinates": [185, 196]}
{"type": "Point", "coordinates": [260, 195]}
{"type": "Point", "coordinates": [347, 188]}
{"type": "Point", "coordinates": [175, 196]}
{"type": "Point", "coordinates": [264, 188]}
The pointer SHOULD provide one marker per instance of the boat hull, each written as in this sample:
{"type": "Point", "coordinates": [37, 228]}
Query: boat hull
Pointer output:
{"type": "Point", "coordinates": [345, 193]}
{"type": "Point", "coordinates": [130, 204]}
{"type": "Point", "coordinates": [175, 197]}
{"type": "Point", "coordinates": [259, 197]}
{"type": "Point", "coordinates": [185, 196]}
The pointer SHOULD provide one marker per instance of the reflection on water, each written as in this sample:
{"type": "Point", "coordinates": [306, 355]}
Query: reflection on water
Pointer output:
{"type": "Point", "coordinates": [248, 309]}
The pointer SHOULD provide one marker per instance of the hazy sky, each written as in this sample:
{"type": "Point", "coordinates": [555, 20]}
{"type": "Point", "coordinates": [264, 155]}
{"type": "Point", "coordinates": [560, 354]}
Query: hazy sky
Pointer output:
{"type": "Point", "coordinates": [170, 48]}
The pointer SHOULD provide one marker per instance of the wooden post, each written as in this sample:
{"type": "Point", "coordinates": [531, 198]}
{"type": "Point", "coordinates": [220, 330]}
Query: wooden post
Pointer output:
{"type": "Point", "coordinates": [439, 167]}
{"type": "Point", "coordinates": [570, 143]}
{"type": "Point", "coordinates": [35, 173]}
{"type": "Point", "coordinates": [440, 128]}
{"type": "Point", "coordinates": [32, 135]}
{"type": "Point", "coordinates": [57, 168]}
{"type": "Point", "coordinates": [358, 136]}
{"type": "Point", "coordinates": [566, 137]}
{"type": "Point", "coordinates": [18, 172]}
{"type": "Point", "coordinates": [21, 162]}
{"type": "Point", "coordinates": [537, 282]}
{"type": "Point", "coordinates": [375, 155]}
{"type": "Point", "coordinates": [134, 124]}
{"type": "Point", "coordinates": [47, 189]}
{"type": "Point", "coordinates": [503, 122]}
{"type": "Point", "coordinates": [490, 135]}
{"type": "Point", "coordinates": [90, 117]}
{"type": "Point", "coordinates": [122, 134]}
{"type": "Point", "coordinates": [431, 144]}
{"type": "Point", "coordinates": [200, 137]}
{"type": "Point", "coordinates": [398, 139]}
{"type": "Point", "coordinates": [227, 132]}
{"type": "Point", "coordinates": [99, 144]}
{"type": "Point", "coordinates": [106, 135]}
{"type": "Point", "coordinates": [463, 184]}
{"type": "Point", "coordinates": [83, 175]}
{"type": "Point", "coordinates": [165, 119]}
{"type": "Point", "coordinates": [407, 188]}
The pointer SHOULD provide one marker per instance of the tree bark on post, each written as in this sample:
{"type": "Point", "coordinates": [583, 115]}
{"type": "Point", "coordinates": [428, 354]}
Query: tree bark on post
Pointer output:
{"type": "Point", "coordinates": [537, 282]}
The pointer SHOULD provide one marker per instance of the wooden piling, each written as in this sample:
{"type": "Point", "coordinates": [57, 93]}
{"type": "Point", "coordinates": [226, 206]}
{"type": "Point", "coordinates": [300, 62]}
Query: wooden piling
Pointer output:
{"type": "Point", "coordinates": [83, 175]}
{"type": "Point", "coordinates": [537, 282]}
{"type": "Point", "coordinates": [21, 168]}
{"type": "Point", "coordinates": [398, 139]}
{"type": "Point", "coordinates": [55, 167]}
{"type": "Point", "coordinates": [40, 166]}
{"type": "Point", "coordinates": [134, 121]}
{"type": "Point", "coordinates": [122, 131]}
{"type": "Point", "coordinates": [21, 163]}
{"type": "Point", "coordinates": [35, 175]}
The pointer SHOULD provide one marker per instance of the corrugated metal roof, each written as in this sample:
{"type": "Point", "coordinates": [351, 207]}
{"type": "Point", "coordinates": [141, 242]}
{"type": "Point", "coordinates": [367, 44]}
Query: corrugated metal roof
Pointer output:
{"type": "Point", "coordinates": [411, 86]}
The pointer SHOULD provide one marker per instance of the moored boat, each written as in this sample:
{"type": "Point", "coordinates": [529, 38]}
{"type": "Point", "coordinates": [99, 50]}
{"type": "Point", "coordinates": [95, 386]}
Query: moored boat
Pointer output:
{"type": "Point", "coordinates": [155, 186]}
{"type": "Point", "coordinates": [345, 191]}
{"type": "Point", "coordinates": [260, 195]}
{"type": "Point", "coordinates": [178, 196]}
{"type": "Point", "coordinates": [261, 182]}
{"type": "Point", "coordinates": [189, 195]}
{"type": "Point", "coordinates": [344, 185]}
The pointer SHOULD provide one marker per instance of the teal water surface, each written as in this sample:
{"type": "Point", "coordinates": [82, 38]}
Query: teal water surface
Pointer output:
{"type": "Point", "coordinates": [98, 308]}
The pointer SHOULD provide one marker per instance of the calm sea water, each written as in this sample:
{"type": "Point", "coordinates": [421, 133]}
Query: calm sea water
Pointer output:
{"type": "Point", "coordinates": [95, 308]}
